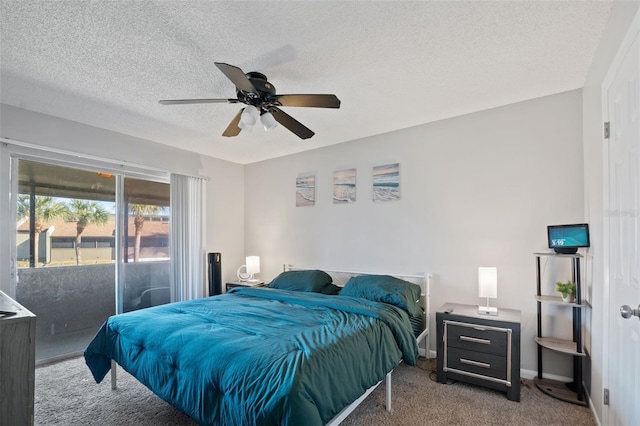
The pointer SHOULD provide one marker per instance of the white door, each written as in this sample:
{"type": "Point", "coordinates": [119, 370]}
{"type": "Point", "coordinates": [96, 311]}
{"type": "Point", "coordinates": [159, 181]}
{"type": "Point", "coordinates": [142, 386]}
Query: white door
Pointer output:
{"type": "Point", "coordinates": [622, 227]}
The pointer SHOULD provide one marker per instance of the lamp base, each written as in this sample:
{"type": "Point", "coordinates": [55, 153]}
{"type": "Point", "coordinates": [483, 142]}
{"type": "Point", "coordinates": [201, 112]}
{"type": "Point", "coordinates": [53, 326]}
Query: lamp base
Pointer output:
{"type": "Point", "coordinates": [487, 310]}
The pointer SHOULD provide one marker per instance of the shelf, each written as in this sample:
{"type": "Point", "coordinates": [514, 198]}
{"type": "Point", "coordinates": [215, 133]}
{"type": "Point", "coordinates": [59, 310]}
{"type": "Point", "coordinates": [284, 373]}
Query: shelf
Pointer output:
{"type": "Point", "coordinates": [559, 390]}
{"type": "Point", "coordinates": [552, 253]}
{"type": "Point", "coordinates": [559, 345]}
{"type": "Point", "coordinates": [557, 300]}
{"type": "Point", "coordinates": [573, 392]}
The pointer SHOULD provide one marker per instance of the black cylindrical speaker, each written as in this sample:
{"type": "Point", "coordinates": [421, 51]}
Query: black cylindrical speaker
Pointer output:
{"type": "Point", "coordinates": [215, 273]}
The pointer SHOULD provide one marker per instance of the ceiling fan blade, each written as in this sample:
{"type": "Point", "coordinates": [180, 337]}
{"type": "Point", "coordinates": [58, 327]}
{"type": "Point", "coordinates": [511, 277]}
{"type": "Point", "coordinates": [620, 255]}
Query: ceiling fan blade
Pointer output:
{"type": "Point", "coordinates": [233, 129]}
{"type": "Point", "coordinates": [197, 101]}
{"type": "Point", "coordinates": [291, 123]}
{"type": "Point", "coordinates": [319, 101]}
{"type": "Point", "coordinates": [237, 77]}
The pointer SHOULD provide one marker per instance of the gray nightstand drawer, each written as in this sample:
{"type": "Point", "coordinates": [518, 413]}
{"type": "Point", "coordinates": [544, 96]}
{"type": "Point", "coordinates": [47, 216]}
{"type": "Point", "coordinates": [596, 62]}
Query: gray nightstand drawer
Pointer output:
{"type": "Point", "coordinates": [476, 362]}
{"type": "Point", "coordinates": [476, 338]}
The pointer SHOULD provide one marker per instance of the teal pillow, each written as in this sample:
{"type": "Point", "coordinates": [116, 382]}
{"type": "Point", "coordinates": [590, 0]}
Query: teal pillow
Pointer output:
{"type": "Point", "coordinates": [311, 280]}
{"type": "Point", "coordinates": [386, 289]}
{"type": "Point", "coordinates": [331, 289]}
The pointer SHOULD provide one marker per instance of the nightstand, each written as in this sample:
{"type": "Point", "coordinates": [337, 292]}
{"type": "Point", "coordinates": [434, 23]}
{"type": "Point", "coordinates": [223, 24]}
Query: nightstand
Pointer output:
{"type": "Point", "coordinates": [479, 349]}
{"type": "Point", "coordinates": [229, 286]}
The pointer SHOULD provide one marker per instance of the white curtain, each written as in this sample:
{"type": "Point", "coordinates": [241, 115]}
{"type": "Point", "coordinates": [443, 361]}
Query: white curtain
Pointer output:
{"type": "Point", "coordinates": [188, 272]}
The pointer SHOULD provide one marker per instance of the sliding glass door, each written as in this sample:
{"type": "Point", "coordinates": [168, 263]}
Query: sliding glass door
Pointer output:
{"type": "Point", "coordinates": [143, 272]}
{"type": "Point", "coordinates": [88, 244]}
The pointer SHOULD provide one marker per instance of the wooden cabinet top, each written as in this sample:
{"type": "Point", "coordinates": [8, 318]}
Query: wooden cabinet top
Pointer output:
{"type": "Point", "coordinates": [10, 305]}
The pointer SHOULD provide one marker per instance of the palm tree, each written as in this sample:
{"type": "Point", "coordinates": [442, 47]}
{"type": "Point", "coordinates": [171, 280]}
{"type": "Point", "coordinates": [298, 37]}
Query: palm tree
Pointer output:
{"type": "Point", "coordinates": [84, 212]}
{"type": "Point", "coordinates": [47, 209]}
{"type": "Point", "coordinates": [140, 211]}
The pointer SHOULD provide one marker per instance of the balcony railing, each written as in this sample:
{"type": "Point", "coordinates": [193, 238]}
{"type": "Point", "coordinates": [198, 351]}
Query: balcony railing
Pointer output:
{"type": "Point", "coordinates": [72, 302]}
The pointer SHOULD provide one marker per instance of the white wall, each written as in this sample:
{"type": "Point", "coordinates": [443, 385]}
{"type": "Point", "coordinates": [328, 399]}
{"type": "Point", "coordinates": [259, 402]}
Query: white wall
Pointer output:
{"type": "Point", "coordinates": [617, 26]}
{"type": "Point", "coordinates": [225, 214]}
{"type": "Point", "coordinates": [477, 190]}
{"type": "Point", "coordinates": [225, 202]}
{"type": "Point", "coordinates": [49, 131]}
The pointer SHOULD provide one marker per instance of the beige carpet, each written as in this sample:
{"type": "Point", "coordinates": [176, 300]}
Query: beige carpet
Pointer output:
{"type": "Point", "coordinates": [66, 394]}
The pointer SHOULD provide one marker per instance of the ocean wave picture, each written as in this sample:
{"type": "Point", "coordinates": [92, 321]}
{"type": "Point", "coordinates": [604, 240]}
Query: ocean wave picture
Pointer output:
{"type": "Point", "coordinates": [305, 191]}
{"type": "Point", "coordinates": [344, 186]}
{"type": "Point", "coordinates": [386, 182]}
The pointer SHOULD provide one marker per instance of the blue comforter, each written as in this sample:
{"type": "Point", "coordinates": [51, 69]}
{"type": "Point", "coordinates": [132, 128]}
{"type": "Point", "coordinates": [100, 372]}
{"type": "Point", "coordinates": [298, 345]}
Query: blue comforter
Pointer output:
{"type": "Point", "coordinates": [257, 356]}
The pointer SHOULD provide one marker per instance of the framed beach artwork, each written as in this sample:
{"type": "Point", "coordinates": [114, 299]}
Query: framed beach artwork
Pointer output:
{"type": "Point", "coordinates": [305, 190]}
{"type": "Point", "coordinates": [344, 186]}
{"type": "Point", "coordinates": [386, 182]}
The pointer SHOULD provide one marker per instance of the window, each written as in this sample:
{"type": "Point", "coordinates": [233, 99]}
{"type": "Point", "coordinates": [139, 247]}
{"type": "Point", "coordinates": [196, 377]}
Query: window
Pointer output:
{"type": "Point", "coordinates": [72, 225]}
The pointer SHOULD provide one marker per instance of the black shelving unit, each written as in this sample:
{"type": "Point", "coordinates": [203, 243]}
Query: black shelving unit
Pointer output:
{"type": "Point", "coordinates": [570, 392]}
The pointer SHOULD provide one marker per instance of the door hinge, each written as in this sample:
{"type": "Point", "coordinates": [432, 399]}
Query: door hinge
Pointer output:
{"type": "Point", "coordinates": [606, 396]}
{"type": "Point", "coordinates": [607, 127]}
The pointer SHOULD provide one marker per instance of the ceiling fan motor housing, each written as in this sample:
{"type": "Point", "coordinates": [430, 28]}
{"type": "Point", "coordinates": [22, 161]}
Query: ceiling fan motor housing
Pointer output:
{"type": "Point", "coordinates": [266, 91]}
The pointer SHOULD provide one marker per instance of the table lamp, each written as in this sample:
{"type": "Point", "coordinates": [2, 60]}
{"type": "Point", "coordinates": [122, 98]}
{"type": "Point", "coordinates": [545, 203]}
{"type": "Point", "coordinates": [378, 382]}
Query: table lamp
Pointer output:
{"type": "Point", "coordinates": [488, 287]}
{"type": "Point", "coordinates": [251, 267]}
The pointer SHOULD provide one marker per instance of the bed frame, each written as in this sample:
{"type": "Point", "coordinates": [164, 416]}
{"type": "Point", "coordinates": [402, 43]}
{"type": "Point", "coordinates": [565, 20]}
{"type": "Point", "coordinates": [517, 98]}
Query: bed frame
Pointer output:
{"type": "Point", "coordinates": [340, 278]}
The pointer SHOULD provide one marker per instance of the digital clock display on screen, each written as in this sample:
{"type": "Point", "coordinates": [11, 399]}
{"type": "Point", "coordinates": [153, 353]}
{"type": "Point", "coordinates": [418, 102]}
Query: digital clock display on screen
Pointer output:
{"type": "Point", "coordinates": [568, 235]}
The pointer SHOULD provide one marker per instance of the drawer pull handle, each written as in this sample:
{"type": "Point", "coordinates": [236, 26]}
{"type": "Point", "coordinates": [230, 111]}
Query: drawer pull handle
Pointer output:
{"type": "Point", "coordinates": [476, 363]}
{"type": "Point", "coordinates": [475, 340]}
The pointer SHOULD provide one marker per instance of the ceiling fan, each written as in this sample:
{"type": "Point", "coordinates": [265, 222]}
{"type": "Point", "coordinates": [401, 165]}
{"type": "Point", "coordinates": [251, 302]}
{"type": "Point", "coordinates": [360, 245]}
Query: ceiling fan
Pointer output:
{"type": "Point", "coordinates": [259, 95]}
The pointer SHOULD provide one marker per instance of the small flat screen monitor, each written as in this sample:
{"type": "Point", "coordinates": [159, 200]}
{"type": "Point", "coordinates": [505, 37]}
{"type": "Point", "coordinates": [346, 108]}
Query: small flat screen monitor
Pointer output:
{"type": "Point", "coordinates": [566, 239]}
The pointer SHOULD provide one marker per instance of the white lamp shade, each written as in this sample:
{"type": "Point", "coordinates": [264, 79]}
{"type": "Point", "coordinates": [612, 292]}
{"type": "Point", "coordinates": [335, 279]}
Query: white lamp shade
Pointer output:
{"type": "Point", "coordinates": [268, 122]}
{"type": "Point", "coordinates": [253, 264]}
{"type": "Point", "coordinates": [249, 117]}
{"type": "Point", "coordinates": [488, 282]}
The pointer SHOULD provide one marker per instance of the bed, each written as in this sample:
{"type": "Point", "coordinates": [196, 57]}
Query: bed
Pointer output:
{"type": "Point", "coordinates": [285, 354]}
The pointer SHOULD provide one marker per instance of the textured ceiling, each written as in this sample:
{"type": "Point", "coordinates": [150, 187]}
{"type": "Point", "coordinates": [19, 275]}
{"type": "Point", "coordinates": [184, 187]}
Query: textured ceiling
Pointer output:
{"type": "Point", "coordinates": [393, 64]}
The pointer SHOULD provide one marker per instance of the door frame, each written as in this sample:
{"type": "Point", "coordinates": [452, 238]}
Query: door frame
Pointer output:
{"type": "Point", "coordinates": [614, 67]}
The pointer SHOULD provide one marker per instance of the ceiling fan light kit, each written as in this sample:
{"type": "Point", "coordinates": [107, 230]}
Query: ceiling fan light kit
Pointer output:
{"type": "Point", "coordinates": [259, 95]}
{"type": "Point", "coordinates": [268, 122]}
{"type": "Point", "coordinates": [248, 118]}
